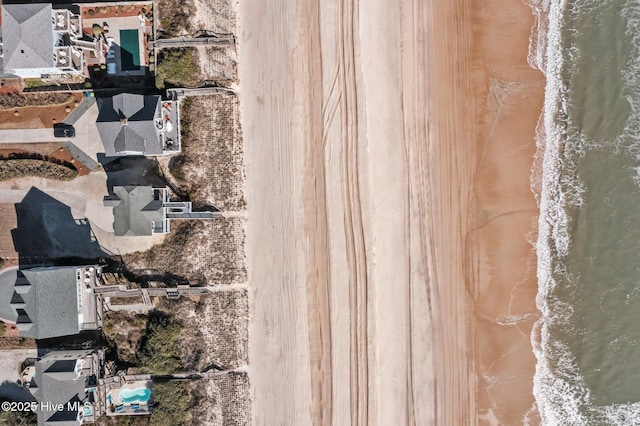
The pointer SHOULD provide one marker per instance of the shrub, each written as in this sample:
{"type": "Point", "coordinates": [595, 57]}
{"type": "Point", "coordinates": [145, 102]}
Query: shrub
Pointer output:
{"type": "Point", "coordinates": [175, 16]}
{"type": "Point", "coordinates": [19, 168]}
{"type": "Point", "coordinates": [159, 352]}
{"type": "Point", "coordinates": [170, 404]}
{"type": "Point", "coordinates": [175, 66]}
{"type": "Point", "coordinates": [91, 12]}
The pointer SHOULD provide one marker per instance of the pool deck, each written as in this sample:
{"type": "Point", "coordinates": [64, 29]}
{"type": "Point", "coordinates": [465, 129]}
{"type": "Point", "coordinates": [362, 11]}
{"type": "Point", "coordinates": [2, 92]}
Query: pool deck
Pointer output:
{"type": "Point", "coordinates": [112, 40]}
{"type": "Point", "coordinates": [127, 409]}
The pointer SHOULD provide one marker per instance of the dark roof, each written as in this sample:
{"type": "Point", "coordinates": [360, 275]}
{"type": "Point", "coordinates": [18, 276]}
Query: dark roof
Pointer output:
{"type": "Point", "coordinates": [46, 305]}
{"type": "Point", "coordinates": [126, 123]}
{"type": "Point", "coordinates": [58, 383]}
{"type": "Point", "coordinates": [134, 210]}
{"type": "Point", "coordinates": [7, 289]}
{"type": "Point", "coordinates": [27, 33]}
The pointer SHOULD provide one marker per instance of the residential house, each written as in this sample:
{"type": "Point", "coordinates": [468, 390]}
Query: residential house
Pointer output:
{"type": "Point", "coordinates": [65, 386]}
{"type": "Point", "coordinates": [41, 42]}
{"type": "Point", "coordinates": [131, 124]}
{"type": "Point", "coordinates": [49, 302]}
{"type": "Point", "coordinates": [144, 210]}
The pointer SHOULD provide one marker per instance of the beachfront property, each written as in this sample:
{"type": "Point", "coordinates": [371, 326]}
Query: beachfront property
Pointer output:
{"type": "Point", "coordinates": [47, 302]}
{"type": "Point", "coordinates": [144, 210]}
{"type": "Point", "coordinates": [42, 42]}
{"type": "Point", "coordinates": [129, 398]}
{"type": "Point", "coordinates": [126, 30]}
{"type": "Point", "coordinates": [131, 124]}
{"type": "Point", "coordinates": [65, 384]}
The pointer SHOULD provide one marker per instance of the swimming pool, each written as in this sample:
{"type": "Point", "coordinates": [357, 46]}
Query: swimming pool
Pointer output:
{"type": "Point", "coordinates": [128, 396]}
{"type": "Point", "coordinates": [129, 50]}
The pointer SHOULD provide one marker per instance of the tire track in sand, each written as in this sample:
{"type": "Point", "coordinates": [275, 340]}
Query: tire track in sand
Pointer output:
{"type": "Point", "coordinates": [354, 232]}
{"type": "Point", "coordinates": [316, 222]}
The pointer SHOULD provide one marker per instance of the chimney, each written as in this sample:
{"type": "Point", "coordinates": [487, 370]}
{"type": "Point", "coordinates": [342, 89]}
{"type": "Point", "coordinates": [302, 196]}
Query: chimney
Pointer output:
{"type": "Point", "coordinates": [123, 121]}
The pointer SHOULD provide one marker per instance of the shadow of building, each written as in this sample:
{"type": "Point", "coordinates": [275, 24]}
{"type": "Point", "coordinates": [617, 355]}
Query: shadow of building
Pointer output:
{"type": "Point", "coordinates": [47, 232]}
{"type": "Point", "coordinates": [10, 391]}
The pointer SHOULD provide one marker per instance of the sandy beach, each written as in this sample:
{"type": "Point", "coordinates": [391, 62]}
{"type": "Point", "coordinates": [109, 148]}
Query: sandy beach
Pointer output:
{"type": "Point", "coordinates": [388, 148]}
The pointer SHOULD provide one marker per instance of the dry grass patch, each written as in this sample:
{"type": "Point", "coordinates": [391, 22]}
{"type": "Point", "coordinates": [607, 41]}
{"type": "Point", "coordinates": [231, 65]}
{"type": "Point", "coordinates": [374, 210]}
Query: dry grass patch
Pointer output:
{"type": "Point", "coordinates": [214, 329]}
{"type": "Point", "coordinates": [207, 252]}
{"type": "Point", "coordinates": [211, 167]}
{"type": "Point", "coordinates": [217, 64]}
{"type": "Point", "coordinates": [221, 401]}
{"type": "Point", "coordinates": [214, 15]}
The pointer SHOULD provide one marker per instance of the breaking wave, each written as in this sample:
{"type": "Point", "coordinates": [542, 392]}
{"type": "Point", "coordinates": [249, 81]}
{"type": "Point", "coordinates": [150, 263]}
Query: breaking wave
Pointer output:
{"type": "Point", "coordinates": [561, 394]}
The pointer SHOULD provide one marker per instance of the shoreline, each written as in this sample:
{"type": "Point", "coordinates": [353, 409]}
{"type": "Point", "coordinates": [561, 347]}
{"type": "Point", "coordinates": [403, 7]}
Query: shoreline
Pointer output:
{"type": "Point", "coordinates": [501, 251]}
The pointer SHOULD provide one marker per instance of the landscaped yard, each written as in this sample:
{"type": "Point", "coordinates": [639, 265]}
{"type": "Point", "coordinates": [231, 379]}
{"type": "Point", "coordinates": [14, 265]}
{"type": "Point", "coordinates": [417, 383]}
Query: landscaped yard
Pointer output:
{"type": "Point", "coordinates": [35, 110]}
{"type": "Point", "coordinates": [15, 169]}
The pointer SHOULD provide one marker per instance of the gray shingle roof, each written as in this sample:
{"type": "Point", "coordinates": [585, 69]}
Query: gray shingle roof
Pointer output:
{"type": "Point", "coordinates": [126, 123]}
{"type": "Point", "coordinates": [7, 284]}
{"type": "Point", "coordinates": [58, 383]}
{"type": "Point", "coordinates": [27, 34]}
{"type": "Point", "coordinates": [136, 212]}
{"type": "Point", "coordinates": [50, 303]}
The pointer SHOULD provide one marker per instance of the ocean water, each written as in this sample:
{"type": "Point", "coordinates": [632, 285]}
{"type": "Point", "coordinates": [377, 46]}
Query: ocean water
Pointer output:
{"type": "Point", "coordinates": [587, 180]}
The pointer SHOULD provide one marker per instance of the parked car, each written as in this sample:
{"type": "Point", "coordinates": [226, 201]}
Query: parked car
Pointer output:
{"type": "Point", "coordinates": [63, 130]}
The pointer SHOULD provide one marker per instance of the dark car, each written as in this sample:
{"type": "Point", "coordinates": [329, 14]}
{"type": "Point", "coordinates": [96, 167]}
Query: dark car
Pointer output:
{"type": "Point", "coordinates": [64, 131]}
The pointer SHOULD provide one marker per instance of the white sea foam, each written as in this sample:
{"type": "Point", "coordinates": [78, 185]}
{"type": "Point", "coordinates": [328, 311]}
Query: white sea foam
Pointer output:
{"type": "Point", "coordinates": [562, 396]}
{"type": "Point", "coordinates": [557, 388]}
{"type": "Point", "coordinates": [631, 11]}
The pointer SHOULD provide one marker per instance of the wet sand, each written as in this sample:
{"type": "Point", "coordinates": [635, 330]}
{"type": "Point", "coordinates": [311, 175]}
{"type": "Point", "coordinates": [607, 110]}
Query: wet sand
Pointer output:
{"type": "Point", "coordinates": [503, 263]}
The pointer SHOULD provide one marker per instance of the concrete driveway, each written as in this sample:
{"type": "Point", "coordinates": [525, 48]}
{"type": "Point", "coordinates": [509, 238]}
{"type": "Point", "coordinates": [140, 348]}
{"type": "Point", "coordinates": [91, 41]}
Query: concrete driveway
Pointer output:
{"type": "Point", "coordinates": [86, 139]}
{"type": "Point", "coordinates": [26, 136]}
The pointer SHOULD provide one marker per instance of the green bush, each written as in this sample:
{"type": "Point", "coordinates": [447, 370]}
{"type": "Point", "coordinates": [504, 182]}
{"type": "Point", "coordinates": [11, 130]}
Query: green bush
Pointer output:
{"type": "Point", "coordinates": [33, 82]}
{"type": "Point", "coordinates": [159, 351]}
{"type": "Point", "coordinates": [18, 418]}
{"type": "Point", "coordinates": [175, 66]}
{"type": "Point", "coordinates": [170, 404]}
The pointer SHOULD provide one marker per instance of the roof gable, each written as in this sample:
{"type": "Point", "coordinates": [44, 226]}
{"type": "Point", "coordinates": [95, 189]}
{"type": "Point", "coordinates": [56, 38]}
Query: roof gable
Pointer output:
{"type": "Point", "coordinates": [128, 104]}
{"type": "Point", "coordinates": [128, 140]}
{"type": "Point", "coordinates": [137, 211]}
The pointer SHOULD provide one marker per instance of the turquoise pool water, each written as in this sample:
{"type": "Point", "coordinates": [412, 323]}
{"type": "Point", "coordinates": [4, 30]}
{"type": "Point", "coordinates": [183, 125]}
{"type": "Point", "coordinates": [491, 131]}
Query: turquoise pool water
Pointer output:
{"type": "Point", "coordinates": [139, 395]}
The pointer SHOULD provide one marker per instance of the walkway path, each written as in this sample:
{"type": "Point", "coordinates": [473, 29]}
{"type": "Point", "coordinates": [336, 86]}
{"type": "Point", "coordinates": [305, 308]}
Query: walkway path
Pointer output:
{"type": "Point", "coordinates": [194, 41]}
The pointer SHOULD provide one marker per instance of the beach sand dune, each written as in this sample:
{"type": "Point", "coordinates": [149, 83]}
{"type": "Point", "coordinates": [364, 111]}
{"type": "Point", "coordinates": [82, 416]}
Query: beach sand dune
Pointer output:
{"type": "Point", "coordinates": [365, 127]}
